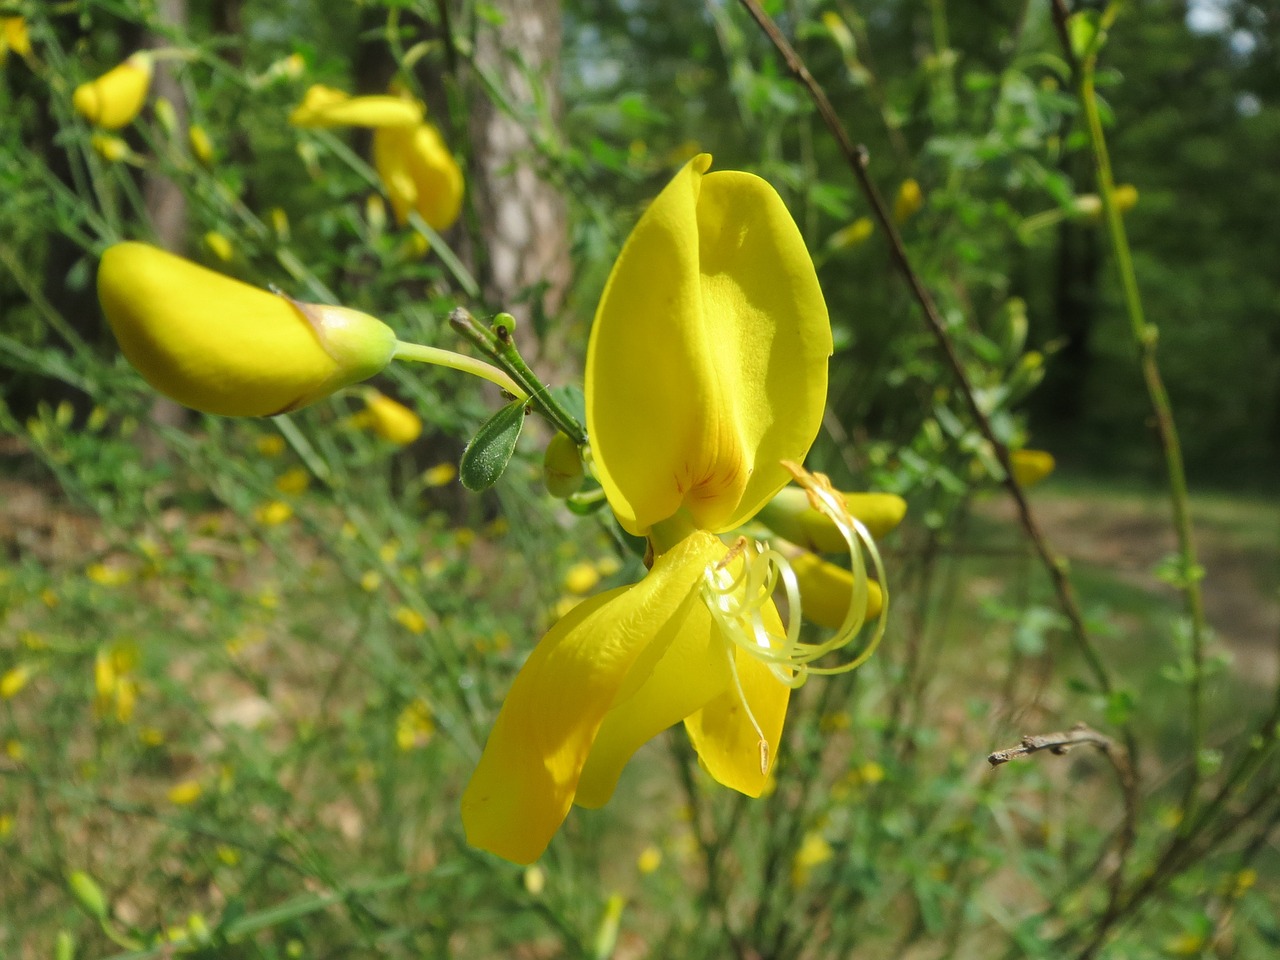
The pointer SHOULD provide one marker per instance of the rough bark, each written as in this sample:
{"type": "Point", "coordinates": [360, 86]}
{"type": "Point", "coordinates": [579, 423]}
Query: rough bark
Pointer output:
{"type": "Point", "coordinates": [525, 261]}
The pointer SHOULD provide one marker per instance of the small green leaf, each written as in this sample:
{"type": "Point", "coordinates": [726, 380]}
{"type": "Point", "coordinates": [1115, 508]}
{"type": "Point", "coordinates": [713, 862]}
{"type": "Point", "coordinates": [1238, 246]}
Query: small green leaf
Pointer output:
{"type": "Point", "coordinates": [489, 452]}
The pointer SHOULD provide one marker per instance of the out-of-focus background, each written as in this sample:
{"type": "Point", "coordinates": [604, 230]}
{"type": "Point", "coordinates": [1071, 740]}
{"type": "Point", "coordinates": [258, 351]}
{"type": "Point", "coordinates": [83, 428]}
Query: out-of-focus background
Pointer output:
{"type": "Point", "coordinates": [246, 666]}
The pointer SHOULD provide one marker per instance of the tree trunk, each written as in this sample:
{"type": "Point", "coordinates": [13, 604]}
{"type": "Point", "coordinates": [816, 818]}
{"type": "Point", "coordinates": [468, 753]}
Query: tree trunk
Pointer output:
{"type": "Point", "coordinates": [525, 261]}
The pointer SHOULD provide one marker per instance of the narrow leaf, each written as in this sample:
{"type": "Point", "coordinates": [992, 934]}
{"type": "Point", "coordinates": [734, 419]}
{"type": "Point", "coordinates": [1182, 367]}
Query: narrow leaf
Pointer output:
{"type": "Point", "coordinates": [489, 452]}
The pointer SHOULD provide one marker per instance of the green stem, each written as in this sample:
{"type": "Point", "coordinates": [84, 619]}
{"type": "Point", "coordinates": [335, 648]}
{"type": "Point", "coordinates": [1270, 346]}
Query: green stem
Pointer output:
{"type": "Point", "coordinates": [456, 361]}
{"type": "Point", "coordinates": [1145, 337]}
{"type": "Point", "coordinates": [500, 347]}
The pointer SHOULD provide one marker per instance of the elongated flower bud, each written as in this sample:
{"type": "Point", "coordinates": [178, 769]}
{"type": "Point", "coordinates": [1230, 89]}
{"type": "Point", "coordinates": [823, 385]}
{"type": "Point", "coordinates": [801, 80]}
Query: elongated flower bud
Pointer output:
{"type": "Point", "coordinates": [326, 107]}
{"type": "Point", "coordinates": [115, 98]}
{"type": "Point", "coordinates": [825, 590]}
{"type": "Point", "coordinates": [789, 514]}
{"type": "Point", "coordinates": [221, 346]}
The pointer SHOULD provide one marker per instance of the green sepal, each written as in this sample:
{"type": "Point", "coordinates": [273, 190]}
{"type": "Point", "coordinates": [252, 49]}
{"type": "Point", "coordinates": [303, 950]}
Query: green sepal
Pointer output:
{"type": "Point", "coordinates": [489, 452]}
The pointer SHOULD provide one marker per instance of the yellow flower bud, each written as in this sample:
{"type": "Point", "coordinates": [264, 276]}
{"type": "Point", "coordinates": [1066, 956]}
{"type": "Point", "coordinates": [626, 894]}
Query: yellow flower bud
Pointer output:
{"type": "Point", "coordinates": [790, 515]}
{"type": "Point", "coordinates": [441, 475]}
{"type": "Point", "coordinates": [1126, 197]}
{"type": "Point", "coordinates": [1031, 466]}
{"type": "Point", "coordinates": [88, 894]}
{"type": "Point", "coordinates": [219, 246]}
{"type": "Point", "coordinates": [14, 36]}
{"type": "Point", "coordinates": [111, 149]}
{"type": "Point", "coordinates": [326, 107]}
{"type": "Point", "coordinates": [221, 346]}
{"type": "Point", "coordinates": [185, 793]}
{"type": "Point", "coordinates": [201, 145]}
{"type": "Point", "coordinates": [854, 234]}
{"type": "Point", "coordinates": [115, 98]}
{"type": "Point", "coordinates": [165, 113]}
{"type": "Point", "coordinates": [908, 201]}
{"type": "Point", "coordinates": [391, 420]}
{"type": "Point", "coordinates": [825, 590]}
{"type": "Point", "coordinates": [13, 680]}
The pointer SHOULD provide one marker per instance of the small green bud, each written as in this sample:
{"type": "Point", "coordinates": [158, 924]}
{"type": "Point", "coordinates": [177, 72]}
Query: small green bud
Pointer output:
{"type": "Point", "coordinates": [64, 947]}
{"type": "Point", "coordinates": [88, 894]}
{"type": "Point", "coordinates": [503, 322]}
{"type": "Point", "coordinates": [562, 470]}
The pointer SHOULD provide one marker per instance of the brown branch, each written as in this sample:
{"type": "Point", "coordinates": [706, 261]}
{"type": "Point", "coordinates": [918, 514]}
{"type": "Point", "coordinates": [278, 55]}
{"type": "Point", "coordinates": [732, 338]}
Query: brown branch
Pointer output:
{"type": "Point", "coordinates": [1060, 743]}
{"type": "Point", "coordinates": [858, 159]}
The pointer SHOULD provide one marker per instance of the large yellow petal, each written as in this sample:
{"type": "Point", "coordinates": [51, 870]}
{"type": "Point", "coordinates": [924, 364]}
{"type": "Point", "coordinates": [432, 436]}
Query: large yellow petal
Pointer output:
{"type": "Point", "coordinates": [728, 744]}
{"type": "Point", "coordinates": [707, 363]}
{"type": "Point", "coordinates": [222, 346]}
{"type": "Point", "coordinates": [529, 772]}
{"type": "Point", "coordinates": [666, 685]}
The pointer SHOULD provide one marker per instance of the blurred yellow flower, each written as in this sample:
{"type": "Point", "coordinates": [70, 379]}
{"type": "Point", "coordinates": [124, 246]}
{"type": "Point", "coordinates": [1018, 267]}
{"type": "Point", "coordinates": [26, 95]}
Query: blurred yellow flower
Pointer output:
{"type": "Point", "coordinates": [273, 513]}
{"type": "Point", "coordinates": [107, 576]}
{"type": "Point", "coordinates": [853, 235]}
{"type": "Point", "coordinates": [535, 880]}
{"type": "Point", "coordinates": [13, 680]}
{"type": "Point", "coordinates": [814, 850]}
{"type": "Point", "coordinates": [419, 173]}
{"type": "Point", "coordinates": [109, 148]}
{"type": "Point", "coordinates": [218, 244]}
{"type": "Point", "coordinates": [650, 859]}
{"type": "Point", "coordinates": [271, 445]}
{"type": "Point", "coordinates": [185, 793]}
{"type": "Point", "coordinates": [414, 726]}
{"type": "Point", "coordinates": [581, 578]}
{"type": "Point", "coordinates": [1031, 466]}
{"type": "Point", "coordinates": [115, 689]}
{"type": "Point", "coordinates": [327, 107]}
{"type": "Point", "coordinates": [114, 99]}
{"type": "Point", "coordinates": [370, 580]}
{"type": "Point", "coordinates": [411, 620]}
{"type": "Point", "coordinates": [294, 480]}
{"type": "Point", "coordinates": [14, 36]}
{"type": "Point", "coordinates": [224, 347]}
{"type": "Point", "coordinates": [441, 475]}
{"type": "Point", "coordinates": [908, 201]}
{"type": "Point", "coordinates": [201, 145]}
{"type": "Point", "coordinates": [390, 419]}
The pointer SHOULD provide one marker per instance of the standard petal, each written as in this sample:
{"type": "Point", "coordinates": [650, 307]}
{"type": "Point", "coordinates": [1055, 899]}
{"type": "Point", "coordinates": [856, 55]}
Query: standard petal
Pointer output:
{"type": "Point", "coordinates": [707, 363]}
{"type": "Point", "coordinates": [529, 772]}
{"type": "Point", "coordinates": [224, 347]}
{"type": "Point", "coordinates": [727, 742]}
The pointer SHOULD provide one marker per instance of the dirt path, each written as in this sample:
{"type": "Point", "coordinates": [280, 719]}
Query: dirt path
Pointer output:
{"type": "Point", "coordinates": [1237, 542]}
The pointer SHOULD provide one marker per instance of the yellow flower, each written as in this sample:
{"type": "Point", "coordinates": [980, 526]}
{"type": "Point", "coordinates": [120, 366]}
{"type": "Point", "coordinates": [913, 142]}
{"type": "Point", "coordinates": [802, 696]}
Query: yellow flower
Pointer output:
{"type": "Point", "coordinates": [201, 145]}
{"type": "Point", "coordinates": [219, 246]}
{"type": "Point", "coordinates": [185, 793]}
{"type": "Point", "coordinates": [1031, 466]}
{"type": "Point", "coordinates": [391, 420]}
{"type": "Point", "coordinates": [111, 149]}
{"type": "Point", "coordinates": [853, 235]}
{"type": "Point", "coordinates": [273, 513]}
{"type": "Point", "coordinates": [790, 514]}
{"type": "Point", "coordinates": [581, 578]}
{"type": "Point", "coordinates": [419, 173]}
{"type": "Point", "coordinates": [441, 475]}
{"type": "Point", "coordinates": [814, 850]}
{"type": "Point", "coordinates": [107, 576]}
{"type": "Point", "coordinates": [115, 98]}
{"type": "Point", "coordinates": [13, 680]}
{"type": "Point", "coordinates": [326, 107]}
{"type": "Point", "coordinates": [414, 726]}
{"type": "Point", "coordinates": [908, 201]}
{"type": "Point", "coordinates": [224, 347]}
{"type": "Point", "coordinates": [706, 379]}
{"type": "Point", "coordinates": [293, 480]}
{"type": "Point", "coordinates": [411, 620]}
{"type": "Point", "coordinates": [14, 36]}
{"type": "Point", "coordinates": [271, 445]}
{"type": "Point", "coordinates": [650, 859]}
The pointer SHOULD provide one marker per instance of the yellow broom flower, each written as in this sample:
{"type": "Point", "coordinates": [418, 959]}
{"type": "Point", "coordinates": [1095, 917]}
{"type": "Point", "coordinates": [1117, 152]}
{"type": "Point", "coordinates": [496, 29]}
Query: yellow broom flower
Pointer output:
{"type": "Point", "coordinates": [114, 99]}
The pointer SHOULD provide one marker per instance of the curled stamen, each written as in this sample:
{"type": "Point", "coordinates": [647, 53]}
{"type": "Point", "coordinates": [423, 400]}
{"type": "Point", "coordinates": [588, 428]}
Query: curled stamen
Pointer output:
{"type": "Point", "coordinates": [741, 585]}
